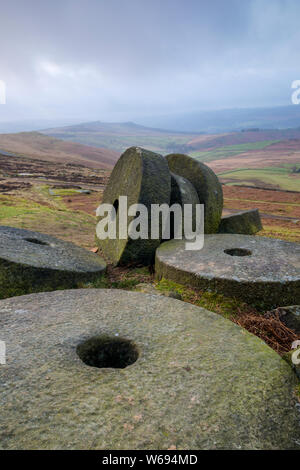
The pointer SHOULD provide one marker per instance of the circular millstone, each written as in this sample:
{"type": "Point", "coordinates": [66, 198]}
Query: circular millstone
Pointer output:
{"type": "Point", "coordinates": [196, 380]}
{"type": "Point", "coordinates": [143, 177]}
{"type": "Point", "coordinates": [33, 261]}
{"type": "Point", "coordinates": [183, 192]}
{"type": "Point", "coordinates": [206, 184]}
{"type": "Point", "coordinates": [261, 271]}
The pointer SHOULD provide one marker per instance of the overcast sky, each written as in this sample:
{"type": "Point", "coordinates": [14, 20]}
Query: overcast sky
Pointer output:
{"type": "Point", "coordinates": [121, 59]}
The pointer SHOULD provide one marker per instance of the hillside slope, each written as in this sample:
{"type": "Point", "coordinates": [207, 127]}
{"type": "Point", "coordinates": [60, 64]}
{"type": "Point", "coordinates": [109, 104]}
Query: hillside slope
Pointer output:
{"type": "Point", "coordinates": [43, 147]}
{"type": "Point", "coordinates": [120, 136]}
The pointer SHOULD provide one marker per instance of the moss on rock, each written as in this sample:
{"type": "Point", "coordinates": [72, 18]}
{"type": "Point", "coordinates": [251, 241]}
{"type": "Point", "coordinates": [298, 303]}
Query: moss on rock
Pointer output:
{"type": "Point", "coordinates": [35, 262]}
{"type": "Point", "coordinates": [143, 177]}
{"type": "Point", "coordinates": [199, 382]}
{"type": "Point", "coordinates": [268, 276]}
{"type": "Point", "coordinates": [244, 222]}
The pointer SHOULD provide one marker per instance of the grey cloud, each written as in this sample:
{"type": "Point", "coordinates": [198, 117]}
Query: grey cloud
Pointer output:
{"type": "Point", "coordinates": [109, 58]}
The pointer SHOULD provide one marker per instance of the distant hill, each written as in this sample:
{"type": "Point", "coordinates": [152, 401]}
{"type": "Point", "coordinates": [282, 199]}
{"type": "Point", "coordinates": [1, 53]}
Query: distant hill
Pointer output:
{"type": "Point", "coordinates": [252, 156]}
{"type": "Point", "coordinates": [243, 137]}
{"type": "Point", "coordinates": [228, 120]}
{"type": "Point", "coordinates": [43, 147]}
{"type": "Point", "coordinates": [119, 136]}
{"type": "Point", "coordinates": [29, 125]}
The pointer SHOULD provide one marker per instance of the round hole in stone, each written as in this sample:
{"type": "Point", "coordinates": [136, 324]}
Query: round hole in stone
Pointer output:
{"type": "Point", "coordinates": [35, 241]}
{"type": "Point", "coordinates": [107, 351]}
{"type": "Point", "coordinates": [116, 205]}
{"type": "Point", "coordinates": [238, 252]}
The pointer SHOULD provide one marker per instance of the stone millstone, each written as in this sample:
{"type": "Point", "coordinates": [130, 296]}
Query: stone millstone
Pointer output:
{"type": "Point", "coordinates": [244, 222]}
{"type": "Point", "coordinates": [183, 192]}
{"type": "Point", "coordinates": [290, 316]}
{"type": "Point", "coordinates": [206, 184]}
{"type": "Point", "coordinates": [200, 381]}
{"type": "Point", "coordinates": [143, 177]}
{"type": "Point", "coordinates": [261, 271]}
{"type": "Point", "coordinates": [33, 261]}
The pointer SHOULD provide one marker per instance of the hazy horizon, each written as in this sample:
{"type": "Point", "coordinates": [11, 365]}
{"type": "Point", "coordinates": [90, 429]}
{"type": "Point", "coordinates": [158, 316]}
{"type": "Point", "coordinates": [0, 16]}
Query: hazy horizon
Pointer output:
{"type": "Point", "coordinates": [76, 61]}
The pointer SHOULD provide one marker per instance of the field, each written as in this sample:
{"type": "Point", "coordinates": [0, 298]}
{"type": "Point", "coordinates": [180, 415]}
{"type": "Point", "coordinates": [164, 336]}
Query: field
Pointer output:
{"type": "Point", "coordinates": [279, 210]}
{"type": "Point", "coordinates": [220, 153]}
{"type": "Point", "coordinates": [273, 166]}
{"type": "Point", "coordinates": [281, 178]}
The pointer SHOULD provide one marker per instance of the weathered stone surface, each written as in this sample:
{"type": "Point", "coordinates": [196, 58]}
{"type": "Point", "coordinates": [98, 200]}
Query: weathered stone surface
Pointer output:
{"type": "Point", "coordinates": [183, 192]}
{"type": "Point", "coordinates": [267, 277]}
{"type": "Point", "coordinates": [143, 177]}
{"type": "Point", "coordinates": [205, 182]}
{"type": "Point", "coordinates": [244, 222]}
{"type": "Point", "coordinates": [290, 316]}
{"type": "Point", "coordinates": [33, 262]}
{"type": "Point", "coordinates": [200, 382]}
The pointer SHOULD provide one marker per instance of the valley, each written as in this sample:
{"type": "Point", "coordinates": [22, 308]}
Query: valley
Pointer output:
{"type": "Point", "coordinates": [39, 172]}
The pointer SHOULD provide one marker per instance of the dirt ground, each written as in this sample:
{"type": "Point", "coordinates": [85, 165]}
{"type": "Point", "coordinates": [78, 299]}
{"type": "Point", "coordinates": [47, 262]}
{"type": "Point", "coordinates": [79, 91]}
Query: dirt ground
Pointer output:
{"type": "Point", "coordinates": [83, 202]}
{"type": "Point", "coordinates": [16, 170]}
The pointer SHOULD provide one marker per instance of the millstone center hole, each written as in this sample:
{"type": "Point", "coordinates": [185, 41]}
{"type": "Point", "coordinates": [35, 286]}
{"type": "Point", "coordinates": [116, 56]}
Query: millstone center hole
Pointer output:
{"type": "Point", "coordinates": [35, 241]}
{"type": "Point", "coordinates": [116, 205]}
{"type": "Point", "coordinates": [238, 252]}
{"type": "Point", "coordinates": [106, 351]}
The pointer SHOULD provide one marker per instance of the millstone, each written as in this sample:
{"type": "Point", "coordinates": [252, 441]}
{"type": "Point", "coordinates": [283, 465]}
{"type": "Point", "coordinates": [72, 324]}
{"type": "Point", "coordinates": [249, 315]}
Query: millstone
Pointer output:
{"type": "Point", "coordinates": [143, 177]}
{"type": "Point", "coordinates": [196, 380]}
{"type": "Point", "coordinates": [289, 315]}
{"type": "Point", "coordinates": [244, 222]}
{"type": "Point", "coordinates": [261, 271]}
{"type": "Point", "coordinates": [183, 192]}
{"type": "Point", "coordinates": [33, 261]}
{"type": "Point", "coordinates": [206, 183]}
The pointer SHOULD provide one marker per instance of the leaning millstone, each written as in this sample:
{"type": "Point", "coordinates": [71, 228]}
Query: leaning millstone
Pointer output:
{"type": "Point", "coordinates": [244, 222]}
{"type": "Point", "coordinates": [205, 182]}
{"type": "Point", "coordinates": [183, 192]}
{"type": "Point", "coordinates": [143, 177]}
{"type": "Point", "coordinates": [261, 271]}
{"type": "Point", "coordinates": [193, 379]}
{"type": "Point", "coordinates": [34, 262]}
{"type": "Point", "coordinates": [290, 316]}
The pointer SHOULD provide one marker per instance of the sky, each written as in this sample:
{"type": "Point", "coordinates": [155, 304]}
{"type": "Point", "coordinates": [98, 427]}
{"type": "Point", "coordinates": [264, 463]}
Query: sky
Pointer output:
{"type": "Point", "coordinates": [116, 60]}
